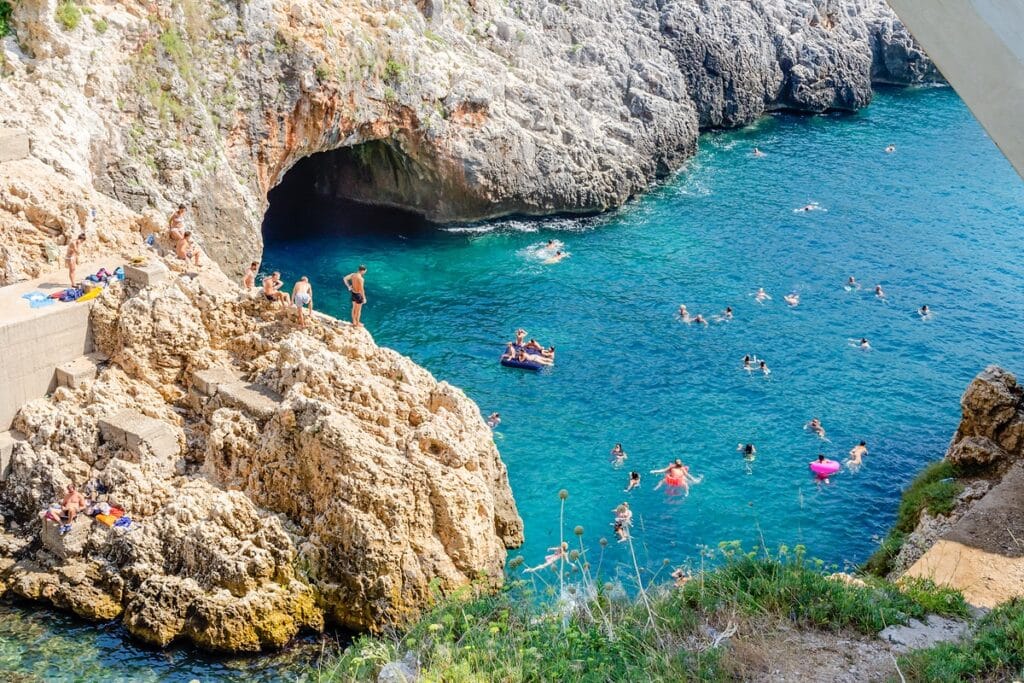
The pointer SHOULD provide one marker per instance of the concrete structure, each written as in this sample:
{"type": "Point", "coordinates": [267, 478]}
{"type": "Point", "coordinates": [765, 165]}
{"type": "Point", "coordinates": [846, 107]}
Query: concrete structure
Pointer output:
{"type": "Point", "coordinates": [68, 544]}
{"type": "Point", "coordinates": [14, 144]}
{"type": "Point", "coordinates": [228, 390]}
{"type": "Point", "coordinates": [207, 382]}
{"type": "Point", "coordinates": [83, 369]}
{"type": "Point", "coordinates": [142, 436]}
{"type": "Point", "coordinates": [979, 47]}
{"type": "Point", "coordinates": [151, 273]}
{"type": "Point", "coordinates": [7, 443]}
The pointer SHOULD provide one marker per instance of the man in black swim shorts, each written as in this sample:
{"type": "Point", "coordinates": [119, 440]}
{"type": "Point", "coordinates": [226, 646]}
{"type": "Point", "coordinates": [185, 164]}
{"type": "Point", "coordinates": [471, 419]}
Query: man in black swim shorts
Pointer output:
{"type": "Point", "coordinates": [356, 284]}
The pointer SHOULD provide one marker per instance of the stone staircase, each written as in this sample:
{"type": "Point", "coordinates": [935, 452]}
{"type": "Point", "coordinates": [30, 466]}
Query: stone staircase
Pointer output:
{"type": "Point", "coordinates": [224, 388]}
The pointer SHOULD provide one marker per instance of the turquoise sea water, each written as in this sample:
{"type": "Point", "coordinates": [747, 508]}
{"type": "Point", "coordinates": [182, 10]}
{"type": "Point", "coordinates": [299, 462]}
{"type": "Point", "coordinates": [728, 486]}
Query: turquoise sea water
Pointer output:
{"type": "Point", "coordinates": [940, 221]}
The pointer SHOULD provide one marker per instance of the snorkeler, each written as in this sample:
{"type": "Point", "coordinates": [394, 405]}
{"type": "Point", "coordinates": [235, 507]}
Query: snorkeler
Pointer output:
{"type": "Point", "coordinates": [677, 475]}
{"type": "Point", "coordinates": [634, 481]}
{"type": "Point", "coordinates": [559, 552]}
{"type": "Point", "coordinates": [760, 296]}
{"type": "Point", "coordinates": [792, 299]}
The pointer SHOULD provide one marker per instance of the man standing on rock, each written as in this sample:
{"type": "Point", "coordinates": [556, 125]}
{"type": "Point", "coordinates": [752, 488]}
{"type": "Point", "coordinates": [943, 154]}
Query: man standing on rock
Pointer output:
{"type": "Point", "coordinates": [354, 282]}
{"type": "Point", "coordinates": [302, 295]}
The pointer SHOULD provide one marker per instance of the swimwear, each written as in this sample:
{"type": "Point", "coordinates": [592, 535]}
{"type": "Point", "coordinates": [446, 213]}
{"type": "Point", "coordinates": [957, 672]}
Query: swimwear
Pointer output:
{"type": "Point", "coordinates": [301, 299]}
{"type": "Point", "coordinates": [358, 298]}
{"type": "Point", "coordinates": [270, 297]}
{"type": "Point", "coordinates": [675, 481]}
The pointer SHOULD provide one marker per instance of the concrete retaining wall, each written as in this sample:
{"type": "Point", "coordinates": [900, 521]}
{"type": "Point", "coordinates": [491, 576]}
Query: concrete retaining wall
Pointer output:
{"type": "Point", "coordinates": [31, 348]}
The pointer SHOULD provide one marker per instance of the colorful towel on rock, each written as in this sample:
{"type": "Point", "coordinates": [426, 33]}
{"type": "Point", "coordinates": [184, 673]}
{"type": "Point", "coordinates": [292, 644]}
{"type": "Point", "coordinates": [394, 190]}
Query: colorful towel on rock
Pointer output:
{"type": "Point", "coordinates": [37, 299]}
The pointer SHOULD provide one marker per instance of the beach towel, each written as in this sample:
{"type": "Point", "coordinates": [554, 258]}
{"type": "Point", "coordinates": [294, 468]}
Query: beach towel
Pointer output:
{"type": "Point", "coordinates": [109, 520]}
{"type": "Point", "coordinates": [71, 294]}
{"type": "Point", "coordinates": [123, 522]}
{"type": "Point", "coordinates": [37, 299]}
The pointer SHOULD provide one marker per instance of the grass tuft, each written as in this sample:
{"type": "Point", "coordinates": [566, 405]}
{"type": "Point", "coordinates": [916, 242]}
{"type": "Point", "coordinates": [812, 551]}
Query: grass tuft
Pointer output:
{"type": "Point", "coordinates": [68, 15]}
{"type": "Point", "coordinates": [995, 652]}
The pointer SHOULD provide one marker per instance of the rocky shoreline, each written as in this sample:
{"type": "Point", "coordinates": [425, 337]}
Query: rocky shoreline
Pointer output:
{"type": "Point", "coordinates": [275, 477]}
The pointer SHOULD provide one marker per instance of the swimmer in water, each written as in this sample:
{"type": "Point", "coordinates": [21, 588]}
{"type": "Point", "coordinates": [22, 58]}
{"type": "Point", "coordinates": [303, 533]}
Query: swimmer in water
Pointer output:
{"type": "Point", "coordinates": [493, 420]}
{"type": "Point", "coordinates": [684, 314]}
{"type": "Point", "coordinates": [747, 360]}
{"type": "Point", "coordinates": [677, 475]}
{"type": "Point", "coordinates": [558, 553]}
{"type": "Point", "coordinates": [618, 455]}
{"type": "Point", "coordinates": [924, 312]}
{"type": "Point", "coordinates": [806, 208]}
{"type": "Point", "coordinates": [699, 319]}
{"type": "Point", "coordinates": [623, 514]}
{"type": "Point", "coordinates": [856, 454]}
{"type": "Point", "coordinates": [749, 455]}
{"type": "Point", "coordinates": [863, 344]}
{"type": "Point", "coordinates": [760, 296]}
{"type": "Point", "coordinates": [634, 481]}
{"type": "Point", "coordinates": [763, 367]}
{"type": "Point", "coordinates": [821, 477]}
{"type": "Point", "coordinates": [727, 313]}
{"type": "Point", "coordinates": [621, 532]}
{"type": "Point", "coordinates": [879, 292]}
{"type": "Point", "coordinates": [792, 299]}
{"type": "Point", "coordinates": [890, 149]}
{"type": "Point", "coordinates": [852, 284]}
{"type": "Point", "coordinates": [758, 153]}
{"type": "Point", "coordinates": [815, 426]}
{"type": "Point", "coordinates": [559, 255]}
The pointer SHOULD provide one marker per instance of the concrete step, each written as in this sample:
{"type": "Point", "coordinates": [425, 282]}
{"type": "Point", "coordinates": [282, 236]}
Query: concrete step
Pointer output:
{"type": "Point", "coordinates": [131, 429]}
{"type": "Point", "coordinates": [230, 391]}
{"type": "Point", "coordinates": [151, 273]}
{"type": "Point", "coordinates": [83, 369]}
{"type": "Point", "coordinates": [8, 440]}
{"type": "Point", "coordinates": [14, 144]}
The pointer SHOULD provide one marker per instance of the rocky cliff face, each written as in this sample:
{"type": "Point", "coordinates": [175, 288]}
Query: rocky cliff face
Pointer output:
{"type": "Point", "coordinates": [275, 477]}
{"type": "Point", "coordinates": [459, 110]}
{"type": "Point", "coordinates": [976, 547]}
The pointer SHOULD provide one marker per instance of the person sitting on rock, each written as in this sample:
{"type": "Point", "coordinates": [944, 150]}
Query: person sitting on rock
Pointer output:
{"type": "Point", "coordinates": [186, 250]}
{"type": "Point", "coordinates": [272, 288]}
{"type": "Point", "coordinates": [176, 225]}
{"type": "Point", "coordinates": [73, 503]}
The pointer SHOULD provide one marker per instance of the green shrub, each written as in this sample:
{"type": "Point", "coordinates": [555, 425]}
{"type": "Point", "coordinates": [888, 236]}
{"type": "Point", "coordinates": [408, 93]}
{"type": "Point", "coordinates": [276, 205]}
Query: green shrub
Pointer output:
{"type": "Point", "coordinates": [100, 25]}
{"type": "Point", "coordinates": [6, 10]}
{"type": "Point", "coordinates": [995, 652]}
{"type": "Point", "coordinates": [394, 72]}
{"type": "Point", "coordinates": [68, 15]}
{"type": "Point", "coordinates": [935, 489]}
{"type": "Point", "coordinates": [788, 586]}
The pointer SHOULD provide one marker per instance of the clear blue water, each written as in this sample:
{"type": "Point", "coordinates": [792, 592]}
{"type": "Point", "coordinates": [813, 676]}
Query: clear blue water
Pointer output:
{"type": "Point", "coordinates": [940, 221]}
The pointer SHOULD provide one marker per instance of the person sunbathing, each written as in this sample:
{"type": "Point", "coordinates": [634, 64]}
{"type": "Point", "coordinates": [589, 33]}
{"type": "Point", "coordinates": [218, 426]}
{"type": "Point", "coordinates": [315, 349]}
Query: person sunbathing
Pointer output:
{"type": "Point", "coordinates": [72, 504]}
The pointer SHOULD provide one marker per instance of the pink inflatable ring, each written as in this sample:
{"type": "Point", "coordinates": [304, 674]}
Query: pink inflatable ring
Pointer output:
{"type": "Point", "coordinates": [824, 469]}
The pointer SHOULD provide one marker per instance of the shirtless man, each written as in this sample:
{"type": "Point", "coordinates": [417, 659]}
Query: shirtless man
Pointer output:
{"type": "Point", "coordinates": [924, 312]}
{"type": "Point", "coordinates": [879, 292]}
{"type": "Point", "coordinates": [761, 296]}
{"type": "Point", "coordinates": [176, 225]}
{"type": "Point", "coordinates": [186, 250]}
{"type": "Point", "coordinates": [356, 285]}
{"type": "Point", "coordinates": [71, 257]}
{"type": "Point", "coordinates": [792, 299]}
{"type": "Point", "coordinates": [272, 288]}
{"type": "Point", "coordinates": [559, 255]}
{"type": "Point", "coordinates": [684, 314]}
{"type": "Point", "coordinates": [852, 284]}
{"type": "Point", "coordinates": [856, 453]}
{"type": "Point", "coordinates": [249, 279]}
{"type": "Point", "coordinates": [72, 504]}
{"type": "Point", "coordinates": [815, 426]}
{"type": "Point", "coordinates": [302, 296]}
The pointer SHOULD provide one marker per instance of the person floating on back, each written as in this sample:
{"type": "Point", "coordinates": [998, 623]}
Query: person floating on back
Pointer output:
{"type": "Point", "coordinates": [302, 296]}
{"type": "Point", "coordinates": [356, 285]}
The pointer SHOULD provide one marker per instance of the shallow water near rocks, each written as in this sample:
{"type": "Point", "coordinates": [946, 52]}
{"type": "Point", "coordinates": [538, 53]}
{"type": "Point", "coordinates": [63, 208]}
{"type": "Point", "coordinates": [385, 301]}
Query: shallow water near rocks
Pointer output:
{"type": "Point", "coordinates": [939, 222]}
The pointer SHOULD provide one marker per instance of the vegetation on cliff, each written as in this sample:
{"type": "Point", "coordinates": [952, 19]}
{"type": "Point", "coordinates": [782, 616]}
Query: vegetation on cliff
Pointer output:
{"type": "Point", "coordinates": [935, 489]}
{"type": "Point", "coordinates": [596, 632]}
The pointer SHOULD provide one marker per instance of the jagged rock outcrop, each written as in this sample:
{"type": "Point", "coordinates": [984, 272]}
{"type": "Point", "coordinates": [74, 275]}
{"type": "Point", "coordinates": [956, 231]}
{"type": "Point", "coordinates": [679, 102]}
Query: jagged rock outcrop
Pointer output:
{"type": "Point", "coordinates": [975, 547]}
{"type": "Point", "coordinates": [299, 476]}
{"type": "Point", "coordinates": [460, 110]}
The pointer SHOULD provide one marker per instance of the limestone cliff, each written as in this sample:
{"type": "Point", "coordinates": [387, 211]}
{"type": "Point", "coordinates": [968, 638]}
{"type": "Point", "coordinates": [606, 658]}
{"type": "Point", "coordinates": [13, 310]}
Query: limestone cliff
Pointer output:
{"type": "Point", "coordinates": [275, 477]}
{"type": "Point", "coordinates": [458, 109]}
{"type": "Point", "coordinates": [978, 547]}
